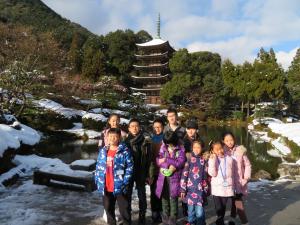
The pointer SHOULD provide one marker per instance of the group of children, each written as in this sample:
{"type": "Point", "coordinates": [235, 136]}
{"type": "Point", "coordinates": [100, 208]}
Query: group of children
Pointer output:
{"type": "Point", "coordinates": [173, 162]}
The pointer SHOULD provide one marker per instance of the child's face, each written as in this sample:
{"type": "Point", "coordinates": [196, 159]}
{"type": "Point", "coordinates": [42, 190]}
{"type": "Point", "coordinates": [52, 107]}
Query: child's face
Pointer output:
{"type": "Point", "coordinates": [191, 132]}
{"type": "Point", "coordinates": [134, 128]}
{"type": "Point", "coordinates": [228, 141]}
{"type": "Point", "coordinates": [197, 149]}
{"type": "Point", "coordinates": [157, 128]}
{"type": "Point", "coordinates": [218, 150]}
{"type": "Point", "coordinates": [113, 139]}
{"type": "Point", "coordinates": [113, 122]}
{"type": "Point", "coordinates": [172, 118]}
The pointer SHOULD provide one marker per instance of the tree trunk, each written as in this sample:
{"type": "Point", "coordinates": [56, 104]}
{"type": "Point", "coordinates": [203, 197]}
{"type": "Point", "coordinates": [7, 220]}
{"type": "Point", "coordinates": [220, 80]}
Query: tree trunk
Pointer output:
{"type": "Point", "coordinates": [248, 109]}
{"type": "Point", "coordinates": [242, 107]}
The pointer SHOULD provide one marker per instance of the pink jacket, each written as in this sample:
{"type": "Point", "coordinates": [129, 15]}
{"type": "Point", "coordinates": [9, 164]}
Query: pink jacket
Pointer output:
{"type": "Point", "coordinates": [238, 153]}
{"type": "Point", "coordinates": [217, 180]}
{"type": "Point", "coordinates": [104, 137]}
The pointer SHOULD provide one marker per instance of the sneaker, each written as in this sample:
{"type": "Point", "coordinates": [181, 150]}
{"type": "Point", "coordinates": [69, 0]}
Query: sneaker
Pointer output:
{"type": "Point", "coordinates": [231, 222]}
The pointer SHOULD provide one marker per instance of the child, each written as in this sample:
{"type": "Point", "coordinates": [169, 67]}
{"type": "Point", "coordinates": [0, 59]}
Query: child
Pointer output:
{"type": "Point", "coordinates": [157, 138]}
{"type": "Point", "coordinates": [194, 186]}
{"type": "Point", "coordinates": [190, 136]}
{"type": "Point", "coordinates": [222, 168]}
{"type": "Point", "coordinates": [171, 160]}
{"type": "Point", "coordinates": [113, 174]}
{"type": "Point", "coordinates": [112, 122]}
{"type": "Point", "coordinates": [173, 124]}
{"type": "Point", "coordinates": [140, 146]}
{"type": "Point", "coordinates": [238, 153]}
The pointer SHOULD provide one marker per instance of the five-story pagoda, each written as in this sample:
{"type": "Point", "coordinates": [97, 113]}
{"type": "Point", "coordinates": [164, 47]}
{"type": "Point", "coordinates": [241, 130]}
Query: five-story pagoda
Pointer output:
{"type": "Point", "coordinates": [152, 69]}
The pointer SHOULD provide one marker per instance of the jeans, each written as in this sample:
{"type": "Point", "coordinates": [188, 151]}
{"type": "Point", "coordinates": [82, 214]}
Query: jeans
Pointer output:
{"type": "Point", "coordinates": [141, 191]}
{"type": "Point", "coordinates": [196, 215]}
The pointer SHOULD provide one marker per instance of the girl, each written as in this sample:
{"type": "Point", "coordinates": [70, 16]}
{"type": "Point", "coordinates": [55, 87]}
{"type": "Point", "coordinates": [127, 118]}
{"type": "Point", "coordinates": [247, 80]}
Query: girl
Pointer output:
{"type": "Point", "coordinates": [238, 153]}
{"type": "Point", "coordinates": [170, 160]}
{"type": "Point", "coordinates": [222, 168]}
{"type": "Point", "coordinates": [112, 122]}
{"type": "Point", "coordinates": [194, 186]}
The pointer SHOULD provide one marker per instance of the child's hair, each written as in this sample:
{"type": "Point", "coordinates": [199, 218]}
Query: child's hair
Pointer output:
{"type": "Point", "coordinates": [172, 110]}
{"type": "Point", "coordinates": [159, 120]}
{"type": "Point", "coordinates": [226, 133]}
{"type": "Point", "coordinates": [114, 131]}
{"type": "Point", "coordinates": [110, 116]}
{"type": "Point", "coordinates": [134, 120]}
{"type": "Point", "coordinates": [213, 143]}
{"type": "Point", "coordinates": [200, 142]}
{"type": "Point", "coordinates": [170, 137]}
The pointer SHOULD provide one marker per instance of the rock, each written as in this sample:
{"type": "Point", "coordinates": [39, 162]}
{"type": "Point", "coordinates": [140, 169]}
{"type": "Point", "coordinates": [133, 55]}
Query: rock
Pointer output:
{"type": "Point", "coordinates": [262, 174]}
{"type": "Point", "coordinates": [289, 169]}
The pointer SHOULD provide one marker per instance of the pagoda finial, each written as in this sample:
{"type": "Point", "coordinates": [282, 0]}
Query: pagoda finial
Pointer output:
{"type": "Point", "coordinates": [158, 26]}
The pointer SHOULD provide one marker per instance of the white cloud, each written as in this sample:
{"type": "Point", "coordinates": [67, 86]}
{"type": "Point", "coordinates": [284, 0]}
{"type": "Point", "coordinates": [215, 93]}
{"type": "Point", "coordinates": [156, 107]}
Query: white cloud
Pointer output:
{"type": "Point", "coordinates": [285, 58]}
{"type": "Point", "coordinates": [235, 29]}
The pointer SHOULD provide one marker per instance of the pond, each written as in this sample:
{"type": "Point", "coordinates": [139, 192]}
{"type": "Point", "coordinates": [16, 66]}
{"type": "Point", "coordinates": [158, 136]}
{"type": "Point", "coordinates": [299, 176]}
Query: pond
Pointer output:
{"type": "Point", "coordinates": [68, 149]}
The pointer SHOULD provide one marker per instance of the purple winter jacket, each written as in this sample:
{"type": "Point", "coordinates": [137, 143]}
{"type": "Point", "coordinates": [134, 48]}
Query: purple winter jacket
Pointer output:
{"type": "Point", "coordinates": [177, 160]}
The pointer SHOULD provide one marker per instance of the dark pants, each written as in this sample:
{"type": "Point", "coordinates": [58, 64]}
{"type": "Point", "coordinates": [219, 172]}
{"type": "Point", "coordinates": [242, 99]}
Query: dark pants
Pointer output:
{"type": "Point", "coordinates": [154, 200]}
{"type": "Point", "coordinates": [169, 204]}
{"type": "Point", "coordinates": [237, 207]}
{"type": "Point", "coordinates": [141, 191]}
{"type": "Point", "coordinates": [109, 202]}
{"type": "Point", "coordinates": [184, 209]}
{"type": "Point", "coordinates": [220, 207]}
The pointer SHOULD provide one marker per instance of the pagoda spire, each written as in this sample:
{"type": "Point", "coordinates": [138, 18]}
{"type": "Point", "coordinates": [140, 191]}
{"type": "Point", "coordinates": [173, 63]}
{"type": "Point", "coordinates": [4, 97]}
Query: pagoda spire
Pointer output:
{"type": "Point", "coordinates": [158, 26]}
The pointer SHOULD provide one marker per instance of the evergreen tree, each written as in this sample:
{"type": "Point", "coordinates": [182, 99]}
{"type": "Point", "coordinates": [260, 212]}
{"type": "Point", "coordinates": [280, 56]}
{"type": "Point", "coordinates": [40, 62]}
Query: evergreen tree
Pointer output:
{"type": "Point", "coordinates": [293, 78]}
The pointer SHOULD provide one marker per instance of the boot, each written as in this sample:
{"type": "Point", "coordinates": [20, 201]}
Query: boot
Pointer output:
{"type": "Point", "coordinates": [142, 219]}
{"type": "Point", "coordinates": [172, 220]}
{"type": "Point", "coordinates": [156, 218]}
{"type": "Point", "coordinates": [165, 219]}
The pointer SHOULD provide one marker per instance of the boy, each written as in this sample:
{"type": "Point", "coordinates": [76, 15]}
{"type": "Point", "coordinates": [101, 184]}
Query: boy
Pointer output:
{"type": "Point", "coordinates": [173, 125]}
{"type": "Point", "coordinates": [141, 151]}
{"type": "Point", "coordinates": [157, 137]}
{"type": "Point", "coordinates": [113, 175]}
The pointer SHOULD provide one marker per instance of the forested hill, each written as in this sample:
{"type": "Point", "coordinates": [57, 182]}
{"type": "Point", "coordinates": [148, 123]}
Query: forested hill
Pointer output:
{"type": "Point", "coordinates": [80, 51]}
{"type": "Point", "coordinates": [41, 18]}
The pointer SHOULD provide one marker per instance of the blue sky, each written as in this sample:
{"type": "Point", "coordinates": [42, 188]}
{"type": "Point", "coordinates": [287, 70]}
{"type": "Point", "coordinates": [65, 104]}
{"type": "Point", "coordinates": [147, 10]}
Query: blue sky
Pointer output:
{"type": "Point", "coordinates": [234, 28]}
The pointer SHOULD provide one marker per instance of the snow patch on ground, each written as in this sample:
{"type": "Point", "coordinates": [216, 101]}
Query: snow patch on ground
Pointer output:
{"type": "Point", "coordinates": [13, 138]}
{"type": "Point", "coordinates": [94, 116]}
{"type": "Point", "coordinates": [80, 131]}
{"type": "Point", "coordinates": [289, 130]}
{"type": "Point", "coordinates": [68, 113]}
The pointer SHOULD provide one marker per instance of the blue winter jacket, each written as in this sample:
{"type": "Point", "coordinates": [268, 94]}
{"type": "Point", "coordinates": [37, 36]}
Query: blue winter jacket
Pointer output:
{"type": "Point", "coordinates": [123, 169]}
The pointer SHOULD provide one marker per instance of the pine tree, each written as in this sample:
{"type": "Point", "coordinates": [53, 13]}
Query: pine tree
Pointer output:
{"type": "Point", "coordinates": [293, 78]}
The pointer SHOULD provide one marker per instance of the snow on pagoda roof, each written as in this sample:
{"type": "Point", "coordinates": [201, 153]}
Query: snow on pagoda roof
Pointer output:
{"type": "Point", "coordinates": [151, 77]}
{"type": "Point", "coordinates": [153, 42]}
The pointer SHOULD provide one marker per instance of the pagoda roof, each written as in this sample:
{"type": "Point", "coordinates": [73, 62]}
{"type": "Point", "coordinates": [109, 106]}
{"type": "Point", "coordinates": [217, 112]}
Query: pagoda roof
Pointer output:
{"type": "Point", "coordinates": [151, 66]}
{"type": "Point", "coordinates": [150, 77]}
{"type": "Point", "coordinates": [155, 55]}
{"type": "Point", "coordinates": [145, 89]}
{"type": "Point", "coordinates": [153, 42]}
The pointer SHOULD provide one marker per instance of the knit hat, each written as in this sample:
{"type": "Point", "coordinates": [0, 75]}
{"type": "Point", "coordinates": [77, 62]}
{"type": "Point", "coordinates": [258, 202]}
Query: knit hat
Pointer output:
{"type": "Point", "coordinates": [192, 124]}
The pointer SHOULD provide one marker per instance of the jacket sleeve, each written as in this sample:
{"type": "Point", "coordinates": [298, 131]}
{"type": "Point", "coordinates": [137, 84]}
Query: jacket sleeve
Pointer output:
{"type": "Point", "coordinates": [178, 163]}
{"type": "Point", "coordinates": [101, 140]}
{"type": "Point", "coordinates": [160, 154]}
{"type": "Point", "coordinates": [235, 176]}
{"type": "Point", "coordinates": [128, 168]}
{"type": "Point", "coordinates": [184, 178]}
{"type": "Point", "coordinates": [149, 160]}
{"type": "Point", "coordinates": [212, 167]}
{"type": "Point", "coordinates": [98, 170]}
{"type": "Point", "coordinates": [247, 164]}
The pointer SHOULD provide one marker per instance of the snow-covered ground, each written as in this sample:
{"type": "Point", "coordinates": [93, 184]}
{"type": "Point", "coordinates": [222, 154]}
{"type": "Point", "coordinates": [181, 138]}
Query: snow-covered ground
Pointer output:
{"type": "Point", "coordinates": [80, 131]}
{"type": "Point", "coordinates": [59, 109]}
{"type": "Point", "coordinates": [26, 164]}
{"type": "Point", "coordinates": [288, 130]}
{"type": "Point", "coordinates": [13, 138]}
